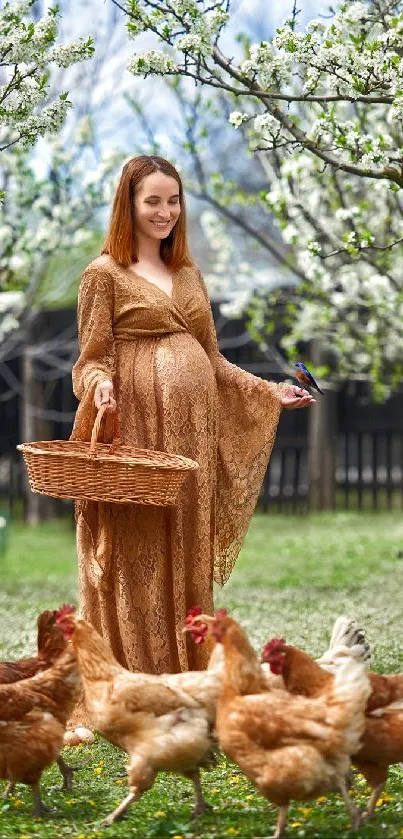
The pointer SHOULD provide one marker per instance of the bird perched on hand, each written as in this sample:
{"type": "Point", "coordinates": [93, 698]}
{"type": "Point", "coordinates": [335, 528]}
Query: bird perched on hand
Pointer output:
{"type": "Point", "coordinates": [305, 377]}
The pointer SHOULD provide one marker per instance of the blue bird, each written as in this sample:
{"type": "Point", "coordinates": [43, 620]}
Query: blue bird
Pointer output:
{"type": "Point", "coordinates": [305, 377]}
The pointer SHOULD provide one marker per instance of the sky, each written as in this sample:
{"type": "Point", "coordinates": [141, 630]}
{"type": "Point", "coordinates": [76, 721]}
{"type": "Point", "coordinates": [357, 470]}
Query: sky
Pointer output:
{"type": "Point", "coordinates": [277, 10]}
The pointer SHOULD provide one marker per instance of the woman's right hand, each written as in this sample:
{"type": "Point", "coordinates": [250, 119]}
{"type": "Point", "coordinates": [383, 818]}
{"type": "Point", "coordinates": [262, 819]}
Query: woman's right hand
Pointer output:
{"type": "Point", "coordinates": [104, 395]}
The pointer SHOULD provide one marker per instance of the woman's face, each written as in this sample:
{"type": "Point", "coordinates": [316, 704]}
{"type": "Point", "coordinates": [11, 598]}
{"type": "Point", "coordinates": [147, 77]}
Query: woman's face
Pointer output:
{"type": "Point", "coordinates": [156, 205]}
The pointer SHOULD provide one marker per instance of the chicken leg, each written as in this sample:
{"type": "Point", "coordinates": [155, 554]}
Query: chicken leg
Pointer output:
{"type": "Point", "coordinates": [40, 808]}
{"type": "Point", "coordinates": [67, 772]}
{"type": "Point", "coordinates": [281, 822]}
{"type": "Point", "coordinates": [201, 805]}
{"type": "Point", "coordinates": [124, 805]}
{"type": "Point", "coordinates": [355, 812]}
{"type": "Point", "coordinates": [369, 810]}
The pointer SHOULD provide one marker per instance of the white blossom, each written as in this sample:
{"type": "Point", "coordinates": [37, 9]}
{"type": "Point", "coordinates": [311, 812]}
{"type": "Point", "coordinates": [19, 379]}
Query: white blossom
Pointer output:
{"type": "Point", "coordinates": [194, 43]}
{"type": "Point", "coordinates": [152, 61]}
{"type": "Point", "coordinates": [236, 118]}
{"type": "Point", "coordinates": [356, 12]}
{"type": "Point", "coordinates": [316, 26]}
{"type": "Point", "coordinates": [71, 54]}
{"type": "Point", "coordinates": [184, 7]}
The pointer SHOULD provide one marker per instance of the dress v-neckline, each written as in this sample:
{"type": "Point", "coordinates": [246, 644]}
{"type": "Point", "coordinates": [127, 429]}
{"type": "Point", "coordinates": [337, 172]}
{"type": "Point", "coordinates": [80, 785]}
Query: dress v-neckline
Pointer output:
{"type": "Point", "coordinates": [154, 285]}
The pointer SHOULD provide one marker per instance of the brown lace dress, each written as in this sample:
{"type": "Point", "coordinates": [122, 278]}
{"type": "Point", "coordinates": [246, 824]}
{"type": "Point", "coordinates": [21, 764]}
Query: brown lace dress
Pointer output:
{"type": "Point", "coordinates": [141, 568]}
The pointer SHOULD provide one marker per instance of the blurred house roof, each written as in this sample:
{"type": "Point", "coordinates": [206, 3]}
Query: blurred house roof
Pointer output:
{"type": "Point", "coordinates": [253, 267]}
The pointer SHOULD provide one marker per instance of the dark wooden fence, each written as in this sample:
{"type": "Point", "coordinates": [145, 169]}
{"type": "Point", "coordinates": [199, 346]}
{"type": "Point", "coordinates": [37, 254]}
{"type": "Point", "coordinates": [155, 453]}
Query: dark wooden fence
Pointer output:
{"type": "Point", "coordinates": [369, 457]}
{"type": "Point", "coordinates": [369, 441]}
{"type": "Point", "coordinates": [369, 471]}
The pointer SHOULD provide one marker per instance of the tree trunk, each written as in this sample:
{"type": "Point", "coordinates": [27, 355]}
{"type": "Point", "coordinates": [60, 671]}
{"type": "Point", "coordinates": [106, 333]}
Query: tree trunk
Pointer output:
{"type": "Point", "coordinates": [322, 445]}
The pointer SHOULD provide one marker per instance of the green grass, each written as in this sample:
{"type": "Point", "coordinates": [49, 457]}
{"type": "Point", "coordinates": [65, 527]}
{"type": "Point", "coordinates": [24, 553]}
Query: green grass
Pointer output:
{"type": "Point", "coordinates": [293, 578]}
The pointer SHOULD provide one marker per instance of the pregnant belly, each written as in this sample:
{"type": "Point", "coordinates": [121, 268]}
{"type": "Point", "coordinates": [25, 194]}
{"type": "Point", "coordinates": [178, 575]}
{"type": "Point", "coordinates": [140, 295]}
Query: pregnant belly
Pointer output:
{"type": "Point", "coordinates": [182, 368]}
{"type": "Point", "coordinates": [167, 393]}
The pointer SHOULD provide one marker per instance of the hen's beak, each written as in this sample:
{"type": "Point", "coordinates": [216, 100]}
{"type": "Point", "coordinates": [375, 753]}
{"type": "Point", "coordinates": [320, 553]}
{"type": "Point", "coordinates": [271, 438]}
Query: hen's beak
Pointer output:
{"type": "Point", "coordinates": [200, 619]}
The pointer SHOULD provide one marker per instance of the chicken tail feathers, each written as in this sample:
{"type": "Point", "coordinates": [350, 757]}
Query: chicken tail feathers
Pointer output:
{"type": "Point", "coordinates": [347, 639]}
{"type": "Point", "coordinates": [347, 632]}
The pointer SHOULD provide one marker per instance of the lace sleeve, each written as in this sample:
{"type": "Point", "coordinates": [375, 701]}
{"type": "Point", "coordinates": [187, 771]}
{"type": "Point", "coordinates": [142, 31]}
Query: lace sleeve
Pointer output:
{"type": "Point", "coordinates": [95, 318]}
{"type": "Point", "coordinates": [210, 344]}
{"type": "Point", "coordinates": [249, 409]}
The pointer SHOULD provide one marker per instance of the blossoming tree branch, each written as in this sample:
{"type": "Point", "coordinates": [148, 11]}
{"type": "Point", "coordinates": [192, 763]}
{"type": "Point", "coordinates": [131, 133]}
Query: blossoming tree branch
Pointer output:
{"type": "Point", "coordinates": [321, 106]}
{"type": "Point", "coordinates": [27, 52]}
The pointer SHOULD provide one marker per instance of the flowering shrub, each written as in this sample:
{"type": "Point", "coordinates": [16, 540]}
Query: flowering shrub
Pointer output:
{"type": "Point", "coordinates": [322, 108]}
{"type": "Point", "coordinates": [52, 215]}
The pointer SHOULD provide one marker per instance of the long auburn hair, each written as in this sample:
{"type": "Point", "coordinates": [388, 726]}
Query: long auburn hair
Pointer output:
{"type": "Point", "coordinates": [121, 240]}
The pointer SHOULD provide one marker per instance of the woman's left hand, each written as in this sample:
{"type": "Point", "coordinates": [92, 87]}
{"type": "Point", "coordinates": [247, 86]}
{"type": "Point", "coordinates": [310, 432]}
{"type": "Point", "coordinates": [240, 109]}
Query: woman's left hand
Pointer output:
{"type": "Point", "coordinates": [293, 397]}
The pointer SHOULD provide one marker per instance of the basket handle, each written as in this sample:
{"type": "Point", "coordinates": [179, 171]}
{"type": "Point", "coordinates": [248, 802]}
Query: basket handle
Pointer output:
{"type": "Point", "coordinates": [96, 428]}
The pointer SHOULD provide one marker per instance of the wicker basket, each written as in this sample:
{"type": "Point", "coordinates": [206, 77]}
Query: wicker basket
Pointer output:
{"type": "Point", "coordinates": [108, 472]}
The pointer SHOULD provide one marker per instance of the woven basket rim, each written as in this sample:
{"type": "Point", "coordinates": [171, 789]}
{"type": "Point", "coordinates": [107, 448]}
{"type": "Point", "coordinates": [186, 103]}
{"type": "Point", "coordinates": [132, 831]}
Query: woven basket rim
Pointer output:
{"type": "Point", "coordinates": [132, 454]}
{"type": "Point", "coordinates": [145, 501]}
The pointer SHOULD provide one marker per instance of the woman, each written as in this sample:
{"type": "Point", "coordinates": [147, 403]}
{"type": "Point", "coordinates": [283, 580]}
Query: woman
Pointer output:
{"type": "Point", "coordinates": [148, 347]}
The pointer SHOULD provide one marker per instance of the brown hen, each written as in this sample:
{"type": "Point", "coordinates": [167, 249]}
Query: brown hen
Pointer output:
{"type": "Point", "coordinates": [290, 747]}
{"type": "Point", "coordinates": [33, 717]}
{"type": "Point", "coordinates": [164, 723]}
{"type": "Point", "coordinates": [50, 643]}
{"type": "Point", "coordinates": [382, 740]}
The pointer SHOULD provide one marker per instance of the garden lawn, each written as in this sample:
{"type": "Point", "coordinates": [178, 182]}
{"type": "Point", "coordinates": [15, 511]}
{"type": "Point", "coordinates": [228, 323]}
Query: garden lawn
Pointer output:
{"type": "Point", "coordinates": [294, 576]}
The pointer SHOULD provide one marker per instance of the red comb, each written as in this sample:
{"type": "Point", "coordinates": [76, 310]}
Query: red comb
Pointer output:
{"type": "Point", "coordinates": [66, 611]}
{"type": "Point", "coordinates": [273, 645]}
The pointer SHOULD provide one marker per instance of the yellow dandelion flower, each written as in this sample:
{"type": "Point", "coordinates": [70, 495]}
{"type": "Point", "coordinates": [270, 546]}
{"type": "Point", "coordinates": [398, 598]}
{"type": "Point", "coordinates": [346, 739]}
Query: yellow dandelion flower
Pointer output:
{"type": "Point", "coordinates": [119, 781]}
{"type": "Point", "coordinates": [98, 770]}
{"type": "Point", "coordinates": [71, 801]}
{"type": "Point", "coordinates": [93, 803]}
{"type": "Point", "coordinates": [321, 800]}
{"type": "Point", "coordinates": [177, 836]}
{"type": "Point", "coordinates": [294, 825]}
{"type": "Point", "coordinates": [17, 802]}
{"type": "Point", "coordinates": [305, 811]}
{"type": "Point", "coordinates": [232, 831]}
{"type": "Point", "coordinates": [160, 813]}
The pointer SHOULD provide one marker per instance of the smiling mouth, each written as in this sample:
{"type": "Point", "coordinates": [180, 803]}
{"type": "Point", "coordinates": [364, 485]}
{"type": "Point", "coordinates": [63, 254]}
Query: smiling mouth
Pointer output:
{"type": "Point", "coordinates": [161, 223]}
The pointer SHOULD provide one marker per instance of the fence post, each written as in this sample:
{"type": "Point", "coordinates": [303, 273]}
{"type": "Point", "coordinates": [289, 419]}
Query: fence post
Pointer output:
{"type": "Point", "coordinates": [37, 507]}
{"type": "Point", "coordinates": [322, 445]}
